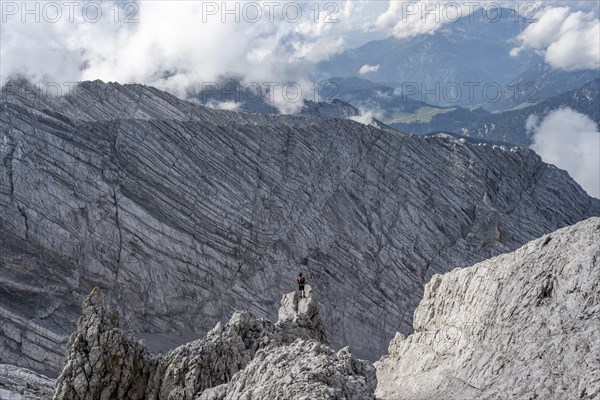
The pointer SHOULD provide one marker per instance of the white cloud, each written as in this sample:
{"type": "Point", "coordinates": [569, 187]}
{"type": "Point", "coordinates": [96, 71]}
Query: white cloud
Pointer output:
{"type": "Point", "coordinates": [367, 69]}
{"type": "Point", "coordinates": [405, 19]}
{"type": "Point", "coordinates": [576, 32]}
{"type": "Point", "coordinates": [570, 141]}
{"type": "Point", "coordinates": [532, 122]}
{"type": "Point", "coordinates": [366, 117]}
{"type": "Point", "coordinates": [541, 34]}
{"type": "Point", "coordinates": [380, 94]}
{"type": "Point", "coordinates": [223, 105]}
{"type": "Point", "coordinates": [174, 47]}
{"type": "Point", "coordinates": [568, 40]}
{"type": "Point", "coordinates": [178, 48]}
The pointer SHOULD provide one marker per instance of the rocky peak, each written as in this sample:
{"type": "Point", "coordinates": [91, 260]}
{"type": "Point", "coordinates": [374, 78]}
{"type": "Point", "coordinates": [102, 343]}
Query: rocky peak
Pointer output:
{"type": "Point", "coordinates": [104, 362]}
{"type": "Point", "coordinates": [299, 317]}
{"type": "Point", "coordinates": [302, 370]}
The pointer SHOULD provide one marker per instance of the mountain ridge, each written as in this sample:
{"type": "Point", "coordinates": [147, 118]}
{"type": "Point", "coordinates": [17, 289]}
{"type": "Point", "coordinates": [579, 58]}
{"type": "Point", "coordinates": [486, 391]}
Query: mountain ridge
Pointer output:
{"type": "Point", "coordinates": [439, 58]}
{"type": "Point", "coordinates": [510, 126]}
{"type": "Point", "coordinates": [220, 365]}
{"type": "Point", "coordinates": [184, 213]}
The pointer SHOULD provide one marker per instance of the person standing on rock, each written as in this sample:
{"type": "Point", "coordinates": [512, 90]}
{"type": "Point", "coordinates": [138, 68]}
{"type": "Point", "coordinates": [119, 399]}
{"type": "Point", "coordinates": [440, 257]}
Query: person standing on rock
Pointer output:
{"type": "Point", "coordinates": [300, 281]}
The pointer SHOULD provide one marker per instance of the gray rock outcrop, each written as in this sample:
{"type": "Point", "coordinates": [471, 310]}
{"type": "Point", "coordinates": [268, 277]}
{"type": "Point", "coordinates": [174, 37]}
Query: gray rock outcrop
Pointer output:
{"type": "Point", "coordinates": [102, 362]}
{"type": "Point", "coordinates": [23, 384]}
{"type": "Point", "coordinates": [183, 214]}
{"type": "Point", "coordinates": [524, 325]}
{"type": "Point", "coordinates": [299, 317]}
{"type": "Point", "coordinates": [246, 358]}
{"type": "Point", "coordinates": [303, 370]}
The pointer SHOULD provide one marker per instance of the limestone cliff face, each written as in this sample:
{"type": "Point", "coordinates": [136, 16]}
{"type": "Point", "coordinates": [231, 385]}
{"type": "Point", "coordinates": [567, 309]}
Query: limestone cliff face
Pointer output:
{"type": "Point", "coordinates": [184, 214]}
{"type": "Point", "coordinates": [524, 325]}
{"type": "Point", "coordinates": [246, 358]}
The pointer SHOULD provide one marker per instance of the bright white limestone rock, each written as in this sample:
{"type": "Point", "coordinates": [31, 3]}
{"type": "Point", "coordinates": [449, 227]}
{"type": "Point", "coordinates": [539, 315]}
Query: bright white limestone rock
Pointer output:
{"type": "Point", "coordinates": [305, 370]}
{"type": "Point", "coordinates": [299, 317]}
{"type": "Point", "coordinates": [524, 325]}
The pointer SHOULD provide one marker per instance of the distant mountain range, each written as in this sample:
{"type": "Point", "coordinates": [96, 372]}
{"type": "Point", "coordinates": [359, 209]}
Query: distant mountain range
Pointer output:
{"type": "Point", "coordinates": [539, 83]}
{"type": "Point", "coordinates": [232, 94]}
{"type": "Point", "coordinates": [510, 125]}
{"type": "Point", "coordinates": [387, 102]}
{"type": "Point", "coordinates": [472, 49]}
{"type": "Point", "coordinates": [458, 69]}
{"type": "Point", "coordinates": [416, 117]}
{"type": "Point", "coordinates": [507, 126]}
{"type": "Point", "coordinates": [442, 119]}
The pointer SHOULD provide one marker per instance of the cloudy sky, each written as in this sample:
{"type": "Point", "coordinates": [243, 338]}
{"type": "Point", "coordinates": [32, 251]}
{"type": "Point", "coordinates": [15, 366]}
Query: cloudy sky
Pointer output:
{"type": "Point", "coordinates": [177, 45]}
{"type": "Point", "coordinates": [570, 141]}
{"type": "Point", "coordinates": [180, 45]}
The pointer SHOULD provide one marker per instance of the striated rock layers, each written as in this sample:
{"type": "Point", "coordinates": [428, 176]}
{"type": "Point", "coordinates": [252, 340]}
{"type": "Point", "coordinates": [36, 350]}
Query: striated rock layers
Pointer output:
{"type": "Point", "coordinates": [247, 358]}
{"type": "Point", "coordinates": [184, 214]}
{"type": "Point", "coordinates": [524, 325]}
{"type": "Point", "coordinates": [22, 384]}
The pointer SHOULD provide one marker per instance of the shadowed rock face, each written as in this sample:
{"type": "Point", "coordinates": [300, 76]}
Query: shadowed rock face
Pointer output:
{"type": "Point", "coordinates": [524, 325]}
{"type": "Point", "coordinates": [183, 214]}
{"type": "Point", "coordinates": [245, 358]}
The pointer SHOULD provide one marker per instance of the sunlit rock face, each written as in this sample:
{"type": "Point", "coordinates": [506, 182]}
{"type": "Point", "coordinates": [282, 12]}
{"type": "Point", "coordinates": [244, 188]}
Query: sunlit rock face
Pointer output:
{"type": "Point", "coordinates": [183, 214]}
{"type": "Point", "coordinates": [523, 325]}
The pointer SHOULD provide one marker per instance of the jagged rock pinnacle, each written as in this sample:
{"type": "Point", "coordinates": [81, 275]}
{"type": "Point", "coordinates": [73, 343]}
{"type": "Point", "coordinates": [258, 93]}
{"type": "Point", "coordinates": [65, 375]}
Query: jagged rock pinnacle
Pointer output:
{"type": "Point", "coordinates": [103, 362]}
{"type": "Point", "coordinates": [299, 317]}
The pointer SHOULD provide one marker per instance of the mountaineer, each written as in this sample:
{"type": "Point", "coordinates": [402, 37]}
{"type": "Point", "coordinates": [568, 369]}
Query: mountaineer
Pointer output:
{"type": "Point", "coordinates": [300, 281]}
